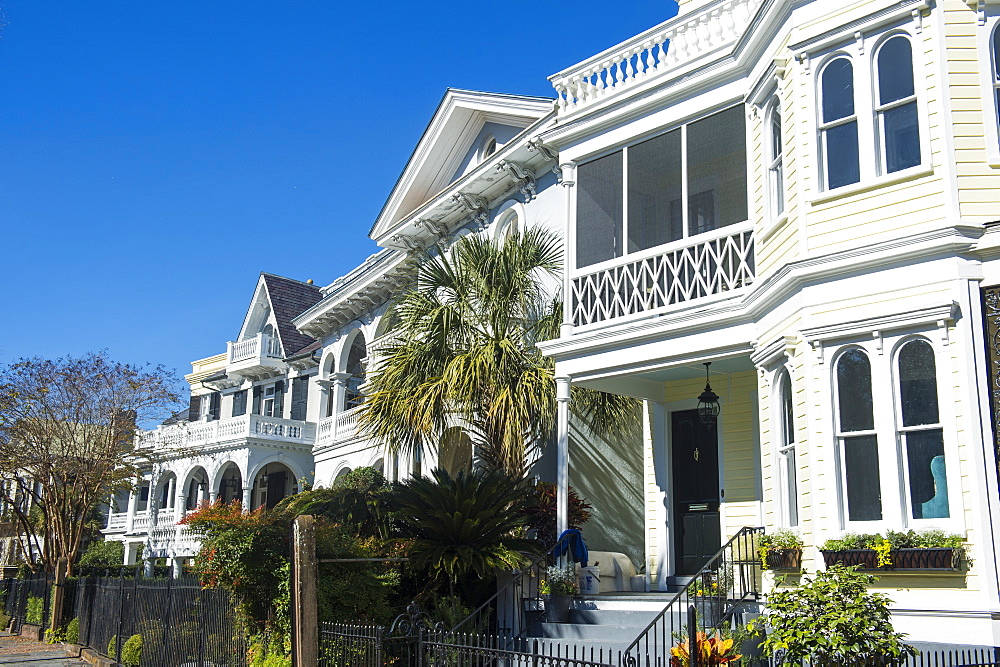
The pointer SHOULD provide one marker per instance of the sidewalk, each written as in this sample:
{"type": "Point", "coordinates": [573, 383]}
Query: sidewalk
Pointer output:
{"type": "Point", "coordinates": [16, 650]}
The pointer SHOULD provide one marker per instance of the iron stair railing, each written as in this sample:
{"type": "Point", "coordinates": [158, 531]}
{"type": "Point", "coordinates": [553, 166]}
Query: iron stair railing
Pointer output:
{"type": "Point", "coordinates": [722, 588]}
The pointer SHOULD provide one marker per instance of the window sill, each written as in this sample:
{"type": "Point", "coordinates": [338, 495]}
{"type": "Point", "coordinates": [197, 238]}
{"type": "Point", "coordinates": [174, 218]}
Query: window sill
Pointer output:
{"type": "Point", "coordinates": [910, 174]}
{"type": "Point", "coordinates": [772, 228]}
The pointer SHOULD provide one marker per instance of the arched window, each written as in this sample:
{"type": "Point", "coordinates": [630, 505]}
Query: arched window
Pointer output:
{"type": "Point", "coordinates": [856, 434]}
{"type": "Point", "coordinates": [896, 107]}
{"type": "Point", "coordinates": [920, 431]}
{"type": "Point", "coordinates": [355, 366]}
{"type": "Point", "coordinates": [839, 124]}
{"type": "Point", "coordinates": [775, 172]}
{"type": "Point", "coordinates": [788, 481]}
{"type": "Point", "coordinates": [488, 147]}
{"type": "Point", "coordinates": [995, 50]}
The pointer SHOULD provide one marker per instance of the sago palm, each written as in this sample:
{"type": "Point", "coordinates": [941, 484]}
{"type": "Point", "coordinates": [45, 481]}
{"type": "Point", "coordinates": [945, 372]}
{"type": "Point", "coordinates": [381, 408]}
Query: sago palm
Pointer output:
{"type": "Point", "coordinates": [464, 524]}
{"type": "Point", "coordinates": [462, 353]}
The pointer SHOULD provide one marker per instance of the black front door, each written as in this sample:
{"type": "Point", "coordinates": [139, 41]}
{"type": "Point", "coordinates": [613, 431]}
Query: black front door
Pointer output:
{"type": "Point", "coordinates": [695, 459]}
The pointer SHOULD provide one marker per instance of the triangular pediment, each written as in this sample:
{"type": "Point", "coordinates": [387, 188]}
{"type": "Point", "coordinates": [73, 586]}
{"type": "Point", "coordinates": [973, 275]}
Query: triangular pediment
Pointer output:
{"type": "Point", "coordinates": [451, 144]}
{"type": "Point", "coordinates": [277, 300]}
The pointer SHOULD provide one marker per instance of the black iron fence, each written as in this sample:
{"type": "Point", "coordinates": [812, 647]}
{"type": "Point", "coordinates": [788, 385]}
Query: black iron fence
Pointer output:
{"type": "Point", "coordinates": [177, 620]}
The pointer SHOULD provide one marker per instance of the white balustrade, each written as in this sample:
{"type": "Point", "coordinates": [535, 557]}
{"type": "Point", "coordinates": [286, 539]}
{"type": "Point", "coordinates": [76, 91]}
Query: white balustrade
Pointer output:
{"type": "Point", "coordinates": [178, 436]}
{"type": "Point", "coordinates": [662, 49]}
{"type": "Point", "coordinates": [117, 521]}
{"type": "Point", "coordinates": [649, 282]}
{"type": "Point", "coordinates": [347, 423]}
{"type": "Point", "coordinates": [261, 345]}
{"type": "Point", "coordinates": [141, 522]}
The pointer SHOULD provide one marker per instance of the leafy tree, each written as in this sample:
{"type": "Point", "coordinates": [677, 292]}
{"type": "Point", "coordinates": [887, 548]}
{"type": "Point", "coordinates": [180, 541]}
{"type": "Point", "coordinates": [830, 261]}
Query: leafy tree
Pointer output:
{"type": "Point", "coordinates": [465, 525]}
{"type": "Point", "coordinates": [67, 431]}
{"type": "Point", "coordinates": [464, 345]}
{"type": "Point", "coordinates": [833, 620]}
{"type": "Point", "coordinates": [105, 553]}
{"type": "Point", "coordinates": [361, 501]}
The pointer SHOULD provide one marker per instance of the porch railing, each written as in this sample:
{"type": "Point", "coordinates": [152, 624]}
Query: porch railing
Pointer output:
{"type": "Point", "coordinates": [669, 48]}
{"type": "Point", "coordinates": [195, 434]}
{"type": "Point", "coordinates": [339, 427]}
{"type": "Point", "coordinates": [655, 282]}
{"type": "Point", "coordinates": [261, 345]}
{"type": "Point", "coordinates": [727, 585]}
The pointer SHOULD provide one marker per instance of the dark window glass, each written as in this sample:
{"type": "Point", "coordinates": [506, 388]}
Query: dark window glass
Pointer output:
{"type": "Point", "coordinates": [996, 52]}
{"type": "Point", "coordinates": [654, 181]}
{"type": "Point", "coordinates": [792, 488]}
{"type": "Point", "coordinates": [842, 164]}
{"type": "Point", "coordinates": [895, 70]}
{"type": "Point", "coordinates": [854, 389]}
{"type": "Point", "coordinates": [599, 215]}
{"type": "Point", "coordinates": [864, 496]}
{"type": "Point", "coordinates": [918, 384]}
{"type": "Point", "coordinates": [777, 184]}
{"type": "Point", "coordinates": [300, 398]}
{"type": "Point", "coordinates": [838, 90]}
{"type": "Point", "coordinates": [902, 137]}
{"type": "Point", "coordinates": [926, 468]}
{"type": "Point", "coordinates": [717, 171]}
{"type": "Point", "coordinates": [355, 366]}
{"type": "Point", "coordinates": [788, 437]}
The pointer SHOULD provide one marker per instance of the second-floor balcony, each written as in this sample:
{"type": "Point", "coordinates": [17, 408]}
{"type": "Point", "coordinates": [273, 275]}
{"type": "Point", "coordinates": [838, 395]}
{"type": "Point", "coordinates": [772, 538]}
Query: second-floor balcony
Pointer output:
{"type": "Point", "coordinates": [206, 434]}
{"type": "Point", "coordinates": [659, 279]}
{"type": "Point", "coordinates": [254, 356]}
{"type": "Point", "coordinates": [338, 428]}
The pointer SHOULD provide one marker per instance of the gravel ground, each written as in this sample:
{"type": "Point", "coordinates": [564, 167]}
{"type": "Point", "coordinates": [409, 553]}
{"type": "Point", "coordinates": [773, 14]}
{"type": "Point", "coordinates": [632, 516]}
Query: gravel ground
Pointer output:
{"type": "Point", "coordinates": [16, 650]}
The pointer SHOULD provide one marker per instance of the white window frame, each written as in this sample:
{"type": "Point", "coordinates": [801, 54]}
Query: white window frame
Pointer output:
{"type": "Point", "coordinates": [775, 162]}
{"type": "Point", "coordinates": [883, 354]}
{"type": "Point", "coordinates": [881, 109]}
{"type": "Point", "coordinates": [787, 505]}
{"type": "Point", "coordinates": [823, 127]}
{"type": "Point", "coordinates": [861, 47]}
{"type": "Point", "coordinates": [989, 82]}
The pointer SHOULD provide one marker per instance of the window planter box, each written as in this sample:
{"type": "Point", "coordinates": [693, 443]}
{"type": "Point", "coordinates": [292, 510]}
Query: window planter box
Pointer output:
{"type": "Point", "coordinates": [903, 560]}
{"type": "Point", "coordinates": [784, 559]}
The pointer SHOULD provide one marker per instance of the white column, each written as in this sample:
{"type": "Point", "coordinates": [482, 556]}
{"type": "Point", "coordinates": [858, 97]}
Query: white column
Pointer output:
{"type": "Point", "coordinates": [247, 497]}
{"type": "Point", "coordinates": [178, 565]}
{"type": "Point", "coordinates": [133, 500]}
{"type": "Point", "coordinates": [562, 451]}
{"type": "Point", "coordinates": [179, 507]}
{"type": "Point", "coordinates": [339, 392]}
{"type": "Point", "coordinates": [568, 181]}
{"type": "Point", "coordinates": [172, 493]}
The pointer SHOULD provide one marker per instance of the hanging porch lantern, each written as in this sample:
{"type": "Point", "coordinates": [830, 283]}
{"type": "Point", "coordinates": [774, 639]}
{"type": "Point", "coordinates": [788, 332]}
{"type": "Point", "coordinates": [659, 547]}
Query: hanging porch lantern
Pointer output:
{"type": "Point", "coordinates": [708, 403]}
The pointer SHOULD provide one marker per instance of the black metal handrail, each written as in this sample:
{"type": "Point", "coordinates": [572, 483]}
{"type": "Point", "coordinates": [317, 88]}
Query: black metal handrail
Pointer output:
{"type": "Point", "coordinates": [510, 592]}
{"type": "Point", "coordinates": [731, 574]}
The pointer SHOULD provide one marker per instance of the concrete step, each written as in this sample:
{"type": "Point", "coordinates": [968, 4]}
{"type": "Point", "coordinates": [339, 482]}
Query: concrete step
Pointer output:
{"type": "Point", "coordinates": [630, 618]}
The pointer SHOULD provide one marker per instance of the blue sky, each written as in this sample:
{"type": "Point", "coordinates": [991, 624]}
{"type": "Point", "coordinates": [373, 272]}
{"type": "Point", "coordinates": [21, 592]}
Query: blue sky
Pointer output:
{"type": "Point", "coordinates": [155, 157]}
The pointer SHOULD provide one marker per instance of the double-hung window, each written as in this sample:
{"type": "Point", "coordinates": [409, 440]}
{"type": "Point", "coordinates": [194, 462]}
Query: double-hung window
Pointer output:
{"type": "Point", "coordinates": [775, 169]}
{"type": "Point", "coordinates": [868, 102]}
{"type": "Point", "coordinates": [891, 446]}
{"type": "Point", "coordinates": [787, 475]}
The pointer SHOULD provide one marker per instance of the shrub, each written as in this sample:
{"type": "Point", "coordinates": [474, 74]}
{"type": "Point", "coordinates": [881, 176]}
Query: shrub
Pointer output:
{"type": "Point", "coordinates": [34, 614]}
{"type": "Point", "coordinates": [103, 554]}
{"type": "Point", "coordinates": [132, 650]}
{"type": "Point", "coordinates": [711, 651]}
{"type": "Point", "coordinates": [782, 539]}
{"type": "Point", "coordinates": [361, 501]}
{"type": "Point", "coordinates": [267, 651]}
{"type": "Point", "coordinates": [833, 620]}
{"type": "Point", "coordinates": [356, 592]}
{"type": "Point", "coordinates": [541, 511]}
{"type": "Point", "coordinates": [73, 632]}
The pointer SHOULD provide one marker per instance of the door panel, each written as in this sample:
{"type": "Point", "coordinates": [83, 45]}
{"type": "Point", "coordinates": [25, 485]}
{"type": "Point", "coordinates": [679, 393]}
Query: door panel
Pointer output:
{"type": "Point", "coordinates": [695, 496]}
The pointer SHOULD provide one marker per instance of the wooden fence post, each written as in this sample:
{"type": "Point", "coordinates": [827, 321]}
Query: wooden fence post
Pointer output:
{"type": "Point", "coordinates": [304, 602]}
{"type": "Point", "coordinates": [57, 597]}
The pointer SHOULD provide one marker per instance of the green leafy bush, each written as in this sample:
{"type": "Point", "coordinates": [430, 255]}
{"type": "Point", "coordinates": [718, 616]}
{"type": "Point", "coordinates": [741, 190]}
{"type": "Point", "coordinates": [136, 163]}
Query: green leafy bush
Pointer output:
{"type": "Point", "coordinates": [73, 632]}
{"type": "Point", "coordinates": [832, 619]}
{"type": "Point", "coordinates": [928, 538]}
{"type": "Point", "coordinates": [132, 650]}
{"type": "Point", "coordinates": [34, 615]}
{"type": "Point", "coordinates": [268, 651]}
{"type": "Point", "coordinates": [782, 539]}
{"type": "Point", "coordinates": [103, 554]}
{"type": "Point", "coordinates": [361, 501]}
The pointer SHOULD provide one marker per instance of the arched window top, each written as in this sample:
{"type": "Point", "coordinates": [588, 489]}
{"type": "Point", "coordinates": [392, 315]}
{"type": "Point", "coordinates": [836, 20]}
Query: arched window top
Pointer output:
{"type": "Point", "coordinates": [838, 89]}
{"type": "Point", "coordinates": [918, 383]}
{"type": "Point", "coordinates": [488, 147]}
{"type": "Point", "coordinates": [854, 391]}
{"type": "Point", "coordinates": [357, 353]}
{"type": "Point", "coordinates": [996, 50]}
{"type": "Point", "coordinates": [784, 382]}
{"type": "Point", "coordinates": [775, 129]}
{"type": "Point", "coordinates": [895, 70]}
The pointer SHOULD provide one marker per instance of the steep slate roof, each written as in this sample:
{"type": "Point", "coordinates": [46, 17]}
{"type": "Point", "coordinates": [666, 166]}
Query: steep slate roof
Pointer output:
{"type": "Point", "coordinates": [289, 298]}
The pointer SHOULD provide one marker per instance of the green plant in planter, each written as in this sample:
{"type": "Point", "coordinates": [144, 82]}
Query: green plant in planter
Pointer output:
{"type": "Point", "coordinates": [559, 581]}
{"type": "Point", "coordinates": [786, 539]}
{"type": "Point", "coordinates": [833, 620]}
{"type": "Point", "coordinates": [883, 546]}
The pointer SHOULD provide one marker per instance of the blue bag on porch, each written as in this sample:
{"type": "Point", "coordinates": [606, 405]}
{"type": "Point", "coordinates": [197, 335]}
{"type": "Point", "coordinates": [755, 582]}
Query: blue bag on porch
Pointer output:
{"type": "Point", "coordinates": [571, 541]}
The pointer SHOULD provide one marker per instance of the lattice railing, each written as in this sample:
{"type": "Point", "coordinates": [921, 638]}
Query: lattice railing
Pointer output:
{"type": "Point", "coordinates": [652, 283]}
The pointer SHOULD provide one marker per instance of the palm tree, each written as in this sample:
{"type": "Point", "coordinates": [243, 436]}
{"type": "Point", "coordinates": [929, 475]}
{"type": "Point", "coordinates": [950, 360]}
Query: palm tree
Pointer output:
{"type": "Point", "coordinates": [462, 352]}
{"type": "Point", "coordinates": [464, 524]}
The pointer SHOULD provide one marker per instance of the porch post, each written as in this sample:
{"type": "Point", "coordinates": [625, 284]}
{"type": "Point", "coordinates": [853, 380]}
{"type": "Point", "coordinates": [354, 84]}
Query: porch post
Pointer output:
{"type": "Point", "coordinates": [179, 509]}
{"type": "Point", "coordinates": [247, 497]}
{"type": "Point", "coordinates": [172, 492]}
{"type": "Point", "coordinates": [568, 180]}
{"type": "Point", "coordinates": [133, 499]}
{"type": "Point", "coordinates": [338, 394]}
{"type": "Point", "coordinates": [562, 451]}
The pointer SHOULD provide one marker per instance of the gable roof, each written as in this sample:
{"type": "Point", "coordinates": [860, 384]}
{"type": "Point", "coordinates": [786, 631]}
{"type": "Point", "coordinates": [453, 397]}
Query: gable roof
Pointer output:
{"type": "Point", "coordinates": [288, 298]}
{"type": "Point", "coordinates": [448, 138]}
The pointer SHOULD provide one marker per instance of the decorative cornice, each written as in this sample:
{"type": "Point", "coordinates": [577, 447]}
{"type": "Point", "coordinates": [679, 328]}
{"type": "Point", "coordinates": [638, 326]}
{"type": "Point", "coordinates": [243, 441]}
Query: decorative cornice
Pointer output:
{"type": "Point", "coordinates": [476, 205]}
{"type": "Point", "coordinates": [875, 327]}
{"type": "Point", "coordinates": [772, 353]}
